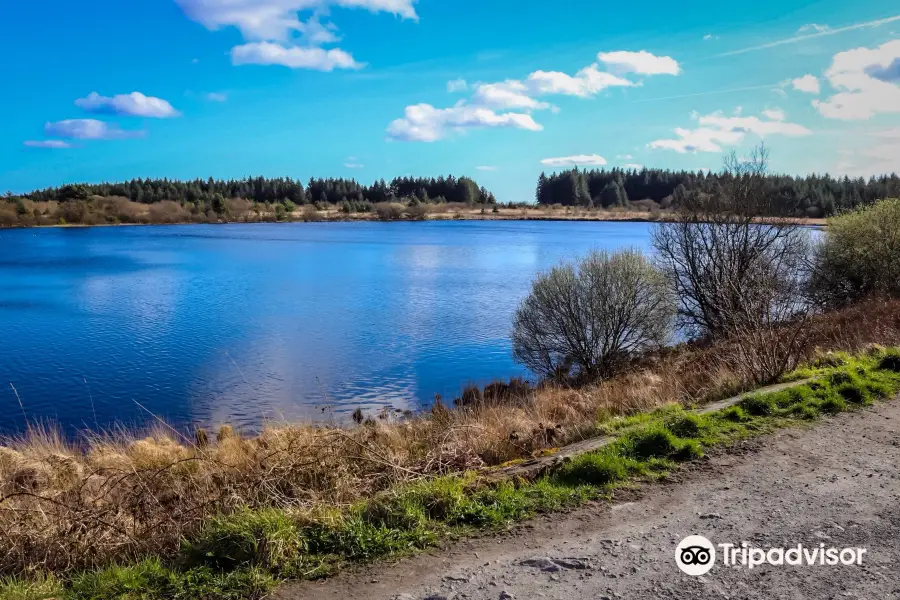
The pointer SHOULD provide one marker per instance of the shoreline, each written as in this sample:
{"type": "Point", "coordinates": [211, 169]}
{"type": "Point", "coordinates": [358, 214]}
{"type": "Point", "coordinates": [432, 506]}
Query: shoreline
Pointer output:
{"type": "Point", "coordinates": [505, 214]}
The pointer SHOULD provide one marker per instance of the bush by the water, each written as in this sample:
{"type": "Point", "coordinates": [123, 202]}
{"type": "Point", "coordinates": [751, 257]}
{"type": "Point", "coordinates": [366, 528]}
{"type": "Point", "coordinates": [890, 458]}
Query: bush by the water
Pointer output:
{"type": "Point", "coordinates": [860, 255]}
{"type": "Point", "coordinates": [586, 320]}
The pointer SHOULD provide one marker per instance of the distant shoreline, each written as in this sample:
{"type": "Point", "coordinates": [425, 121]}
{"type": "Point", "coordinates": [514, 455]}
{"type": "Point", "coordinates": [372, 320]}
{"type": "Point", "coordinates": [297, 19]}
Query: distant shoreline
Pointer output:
{"type": "Point", "coordinates": [468, 214]}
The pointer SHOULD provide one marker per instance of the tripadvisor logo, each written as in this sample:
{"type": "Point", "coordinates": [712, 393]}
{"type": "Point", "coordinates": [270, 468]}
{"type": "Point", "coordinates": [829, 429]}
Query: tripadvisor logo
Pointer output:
{"type": "Point", "coordinates": [696, 555]}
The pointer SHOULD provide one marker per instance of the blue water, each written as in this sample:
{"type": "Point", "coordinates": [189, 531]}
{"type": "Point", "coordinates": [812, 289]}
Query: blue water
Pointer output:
{"type": "Point", "coordinates": [207, 324]}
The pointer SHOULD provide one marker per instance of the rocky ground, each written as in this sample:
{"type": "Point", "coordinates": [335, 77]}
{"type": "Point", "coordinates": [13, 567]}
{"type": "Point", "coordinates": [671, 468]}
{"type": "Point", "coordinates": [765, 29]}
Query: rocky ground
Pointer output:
{"type": "Point", "coordinates": [836, 483]}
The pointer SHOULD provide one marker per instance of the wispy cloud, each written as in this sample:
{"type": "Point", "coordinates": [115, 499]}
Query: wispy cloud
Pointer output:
{"type": "Point", "coordinates": [294, 57]}
{"type": "Point", "coordinates": [813, 27]}
{"type": "Point", "coordinates": [487, 168]}
{"type": "Point", "coordinates": [88, 129]}
{"type": "Point", "coordinates": [710, 92]}
{"type": "Point", "coordinates": [592, 160]}
{"type": "Point", "coordinates": [716, 130]}
{"type": "Point", "coordinates": [216, 96]}
{"type": "Point", "coordinates": [47, 144]}
{"type": "Point", "coordinates": [425, 123]}
{"type": "Point", "coordinates": [457, 85]}
{"type": "Point", "coordinates": [811, 36]}
{"type": "Point", "coordinates": [134, 104]}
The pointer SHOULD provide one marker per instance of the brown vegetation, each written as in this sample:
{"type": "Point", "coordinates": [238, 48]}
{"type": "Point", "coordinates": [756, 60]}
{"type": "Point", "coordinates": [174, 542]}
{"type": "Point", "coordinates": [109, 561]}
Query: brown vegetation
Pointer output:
{"type": "Point", "coordinates": [117, 497]}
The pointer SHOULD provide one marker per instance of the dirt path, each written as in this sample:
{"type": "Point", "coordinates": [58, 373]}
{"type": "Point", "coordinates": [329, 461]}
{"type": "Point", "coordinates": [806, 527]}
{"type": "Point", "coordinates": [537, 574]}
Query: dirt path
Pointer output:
{"type": "Point", "coordinates": [837, 483]}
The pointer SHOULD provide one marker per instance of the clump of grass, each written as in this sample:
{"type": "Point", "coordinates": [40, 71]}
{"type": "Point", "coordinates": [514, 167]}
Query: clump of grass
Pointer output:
{"type": "Point", "coordinates": [833, 404]}
{"type": "Point", "coordinates": [686, 425]}
{"type": "Point", "coordinates": [656, 441]}
{"type": "Point", "coordinates": [841, 376]}
{"type": "Point", "coordinates": [792, 396]}
{"type": "Point", "coordinates": [151, 580]}
{"type": "Point", "coordinates": [39, 587]}
{"type": "Point", "coordinates": [758, 405]}
{"type": "Point", "coordinates": [890, 360]}
{"type": "Point", "coordinates": [854, 393]}
{"type": "Point", "coordinates": [805, 411]}
{"type": "Point", "coordinates": [266, 537]}
{"type": "Point", "coordinates": [595, 468]}
{"type": "Point", "coordinates": [736, 414]}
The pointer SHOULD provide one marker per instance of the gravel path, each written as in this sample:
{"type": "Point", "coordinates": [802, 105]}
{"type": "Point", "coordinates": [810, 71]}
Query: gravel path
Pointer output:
{"type": "Point", "coordinates": [837, 483]}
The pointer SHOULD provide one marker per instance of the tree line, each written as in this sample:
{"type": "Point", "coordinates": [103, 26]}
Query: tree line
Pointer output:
{"type": "Point", "coordinates": [811, 196]}
{"type": "Point", "coordinates": [275, 190]}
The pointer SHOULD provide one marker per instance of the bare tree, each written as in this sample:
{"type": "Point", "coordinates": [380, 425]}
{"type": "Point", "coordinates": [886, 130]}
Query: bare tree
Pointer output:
{"type": "Point", "coordinates": [585, 320]}
{"type": "Point", "coordinates": [739, 263]}
{"type": "Point", "coordinates": [733, 254]}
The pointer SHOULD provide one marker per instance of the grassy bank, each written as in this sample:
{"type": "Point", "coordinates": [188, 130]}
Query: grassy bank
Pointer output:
{"type": "Point", "coordinates": [245, 552]}
{"type": "Point", "coordinates": [101, 211]}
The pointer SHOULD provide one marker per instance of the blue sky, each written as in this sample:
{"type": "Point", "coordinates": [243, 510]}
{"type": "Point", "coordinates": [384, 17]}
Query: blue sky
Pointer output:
{"type": "Point", "coordinates": [500, 90]}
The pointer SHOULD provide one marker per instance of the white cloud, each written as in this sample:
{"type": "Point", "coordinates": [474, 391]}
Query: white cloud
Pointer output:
{"type": "Point", "coordinates": [425, 123]}
{"type": "Point", "coordinates": [88, 129]}
{"type": "Point", "coordinates": [277, 35]}
{"type": "Point", "coordinates": [267, 20]}
{"type": "Point", "coordinates": [457, 85]}
{"type": "Point", "coordinates": [698, 140]}
{"type": "Point", "coordinates": [593, 160]}
{"type": "Point", "coordinates": [817, 34]}
{"type": "Point", "coordinates": [316, 33]}
{"type": "Point", "coordinates": [813, 27]}
{"type": "Point", "coordinates": [807, 83]}
{"type": "Point", "coordinates": [295, 57]}
{"type": "Point", "coordinates": [633, 166]}
{"type": "Point", "coordinates": [641, 62]}
{"type": "Point", "coordinates": [506, 94]}
{"type": "Point", "coordinates": [717, 130]}
{"type": "Point", "coordinates": [878, 153]}
{"type": "Point", "coordinates": [754, 125]}
{"type": "Point", "coordinates": [487, 168]}
{"type": "Point", "coordinates": [776, 114]}
{"type": "Point", "coordinates": [134, 104]}
{"type": "Point", "coordinates": [586, 82]}
{"type": "Point", "coordinates": [216, 97]}
{"type": "Point", "coordinates": [866, 80]}
{"type": "Point", "coordinates": [47, 144]}
{"type": "Point", "coordinates": [352, 164]}
{"type": "Point", "coordinates": [625, 157]}
{"type": "Point", "coordinates": [709, 37]}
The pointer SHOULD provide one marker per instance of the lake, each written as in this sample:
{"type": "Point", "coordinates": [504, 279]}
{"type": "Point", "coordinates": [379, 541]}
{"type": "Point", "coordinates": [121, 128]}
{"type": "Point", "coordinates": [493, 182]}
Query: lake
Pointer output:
{"type": "Point", "coordinates": [241, 324]}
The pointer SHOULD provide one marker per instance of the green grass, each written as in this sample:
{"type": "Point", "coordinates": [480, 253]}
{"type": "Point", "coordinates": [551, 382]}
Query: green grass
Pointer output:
{"type": "Point", "coordinates": [246, 553]}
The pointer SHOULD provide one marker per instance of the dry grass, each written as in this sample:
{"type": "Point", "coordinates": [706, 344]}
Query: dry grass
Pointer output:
{"type": "Point", "coordinates": [120, 497]}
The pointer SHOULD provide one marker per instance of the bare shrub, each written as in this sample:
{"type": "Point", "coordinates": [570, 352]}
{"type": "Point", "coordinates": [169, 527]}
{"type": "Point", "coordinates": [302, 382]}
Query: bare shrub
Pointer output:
{"type": "Point", "coordinates": [390, 211]}
{"type": "Point", "coordinates": [585, 321]}
{"type": "Point", "coordinates": [167, 211]}
{"type": "Point", "coordinates": [732, 267]}
{"type": "Point", "coordinates": [240, 208]}
{"type": "Point", "coordinates": [417, 212]}
{"type": "Point", "coordinates": [127, 211]}
{"type": "Point", "coordinates": [310, 213]}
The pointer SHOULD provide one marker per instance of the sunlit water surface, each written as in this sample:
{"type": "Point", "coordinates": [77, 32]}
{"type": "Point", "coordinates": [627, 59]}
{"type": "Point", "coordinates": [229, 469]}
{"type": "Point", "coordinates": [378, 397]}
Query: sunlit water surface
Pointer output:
{"type": "Point", "coordinates": [207, 324]}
